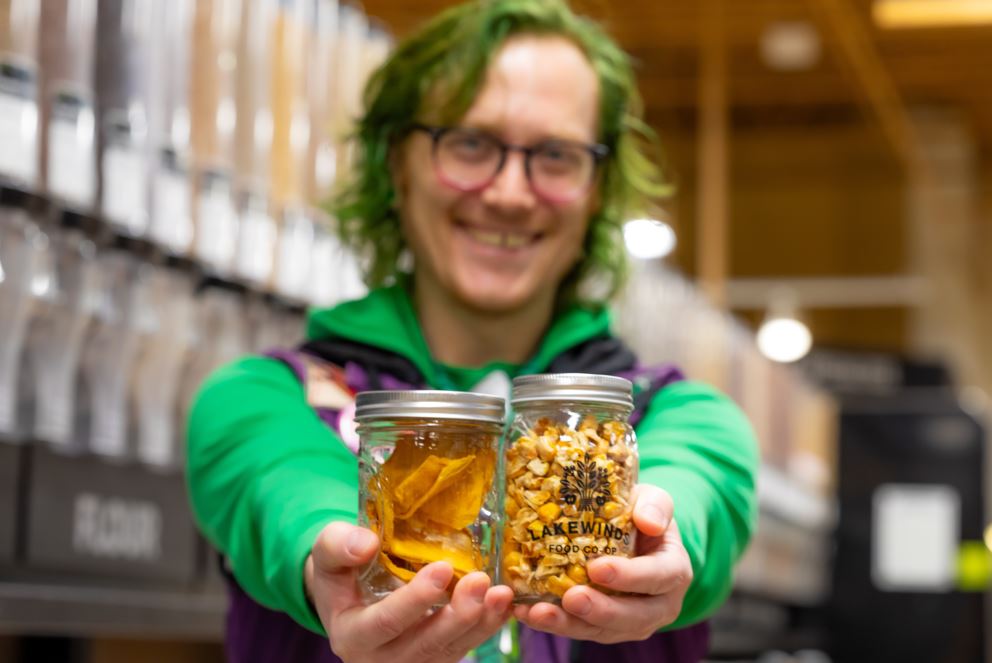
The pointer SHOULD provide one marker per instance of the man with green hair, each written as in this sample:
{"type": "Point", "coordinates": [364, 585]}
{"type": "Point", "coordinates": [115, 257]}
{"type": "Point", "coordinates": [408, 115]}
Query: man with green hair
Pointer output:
{"type": "Point", "coordinates": [501, 150]}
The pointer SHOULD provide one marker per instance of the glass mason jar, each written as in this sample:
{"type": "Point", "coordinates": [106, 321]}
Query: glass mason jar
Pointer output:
{"type": "Point", "coordinates": [570, 468]}
{"type": "Point", "coordinates": [428, 465]}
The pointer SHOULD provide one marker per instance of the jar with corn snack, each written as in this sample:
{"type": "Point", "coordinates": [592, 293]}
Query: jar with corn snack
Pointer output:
{"type": "Point", "coordinates": [428, 485]}
{"type": "Point", "coordinates": [570, 469]}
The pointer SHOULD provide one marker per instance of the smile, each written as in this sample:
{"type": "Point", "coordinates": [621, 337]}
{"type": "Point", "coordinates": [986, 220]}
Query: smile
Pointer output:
{"type": "Point", "coordinates": [504, 239]}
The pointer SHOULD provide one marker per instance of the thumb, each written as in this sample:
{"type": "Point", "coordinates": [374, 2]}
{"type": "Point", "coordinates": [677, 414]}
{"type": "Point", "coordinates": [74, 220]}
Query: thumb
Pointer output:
{"type": "Point", "coordinates": [338, 551]}
{"type": "Point", "coordinates": [342, 546]}
{"type": "Point", "coordinates": [653, 509]}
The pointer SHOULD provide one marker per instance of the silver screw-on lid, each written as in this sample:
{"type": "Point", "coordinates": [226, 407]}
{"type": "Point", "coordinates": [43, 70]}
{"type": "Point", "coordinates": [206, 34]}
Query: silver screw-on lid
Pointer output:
{"type": "Point", "coordinates": [572, 387]}
{"type": "Point", "coordinates": [424, 404]}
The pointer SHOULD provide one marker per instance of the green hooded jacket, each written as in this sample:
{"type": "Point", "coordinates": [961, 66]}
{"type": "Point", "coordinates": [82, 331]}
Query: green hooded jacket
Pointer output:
{"type": "Point", "coordinates": [266, 475]}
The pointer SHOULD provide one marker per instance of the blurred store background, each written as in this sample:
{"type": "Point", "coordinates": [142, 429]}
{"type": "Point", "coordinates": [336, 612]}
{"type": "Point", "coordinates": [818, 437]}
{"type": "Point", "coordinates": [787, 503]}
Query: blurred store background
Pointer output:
{"type": "Point", "coordinates": [826, 257]}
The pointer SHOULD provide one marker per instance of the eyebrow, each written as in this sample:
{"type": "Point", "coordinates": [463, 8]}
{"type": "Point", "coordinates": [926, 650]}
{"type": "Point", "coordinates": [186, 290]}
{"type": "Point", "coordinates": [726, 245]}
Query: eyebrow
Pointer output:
{"type": "Point", "coordinates": [549, 138]}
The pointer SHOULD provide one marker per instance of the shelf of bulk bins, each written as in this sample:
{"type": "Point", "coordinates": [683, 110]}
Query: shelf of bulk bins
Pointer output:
{"type": "Point", "coordinates": [70, 608]}
{"type": "Point", "coordinates": [92, 493]}
{"type": "Point", "coordinates": [787, 563]}
{"type": "Point", "coordinates": [158, 217]}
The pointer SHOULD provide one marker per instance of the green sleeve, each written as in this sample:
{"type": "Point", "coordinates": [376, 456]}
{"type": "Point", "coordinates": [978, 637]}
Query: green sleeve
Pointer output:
{"type": "Point", "coordinates": [695, 443]}
{"type": "Point", "coordinates": [265, 476]}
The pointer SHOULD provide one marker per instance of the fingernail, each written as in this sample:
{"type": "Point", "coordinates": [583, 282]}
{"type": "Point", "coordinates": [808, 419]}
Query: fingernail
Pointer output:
{"type": "Point", "coordinates": [478, 593]}
{"type": "Point", "coordinates": [581, 605]}
{"type": "Point", "coordinates": [440, 576]}
{"type": "Point", "coordinates": [358, 542]}
{"type": "Point", "coordinates": [605, 572]}
{"type": "Point", "coordinates": [655, 515]}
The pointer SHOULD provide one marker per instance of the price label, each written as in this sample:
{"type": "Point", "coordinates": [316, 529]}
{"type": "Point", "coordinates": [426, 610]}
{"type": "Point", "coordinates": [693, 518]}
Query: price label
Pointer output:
{"type": "Point", "coordinates": [102, 519]}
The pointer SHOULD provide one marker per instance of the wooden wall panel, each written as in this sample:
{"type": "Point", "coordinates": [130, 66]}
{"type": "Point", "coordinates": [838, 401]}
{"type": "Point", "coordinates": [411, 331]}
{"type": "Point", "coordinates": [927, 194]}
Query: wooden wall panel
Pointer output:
{"type": "Point", "coordinates": [881, 329]}
{"type": "Point", "coordinates": [824, 201]}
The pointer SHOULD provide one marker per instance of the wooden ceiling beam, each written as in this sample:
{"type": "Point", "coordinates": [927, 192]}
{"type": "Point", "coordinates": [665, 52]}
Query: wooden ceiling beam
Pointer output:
{"type": "Point", "coordinates": [876, 86]}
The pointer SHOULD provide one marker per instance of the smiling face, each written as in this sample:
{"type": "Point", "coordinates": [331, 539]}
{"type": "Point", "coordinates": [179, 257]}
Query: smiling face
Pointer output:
{"type": "Point", "coordinates": [503, 248]}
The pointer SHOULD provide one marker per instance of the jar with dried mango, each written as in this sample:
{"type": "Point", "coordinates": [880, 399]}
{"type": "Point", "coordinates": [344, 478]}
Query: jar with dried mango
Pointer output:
{"type": "Point", "coordinates": [427, 482]}
{"type": "Point", "coordinates": [570, 469]}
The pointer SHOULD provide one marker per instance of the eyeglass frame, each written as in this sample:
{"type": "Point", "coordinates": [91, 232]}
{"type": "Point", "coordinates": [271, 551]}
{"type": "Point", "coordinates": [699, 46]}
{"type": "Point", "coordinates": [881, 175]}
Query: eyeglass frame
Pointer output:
{"type": "Point", "coordinates": [598, 151]}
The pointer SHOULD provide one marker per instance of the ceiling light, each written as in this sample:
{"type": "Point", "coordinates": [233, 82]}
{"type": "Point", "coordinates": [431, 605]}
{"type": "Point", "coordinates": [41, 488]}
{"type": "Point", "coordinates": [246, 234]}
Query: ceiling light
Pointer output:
{"type": "Point", "coordinates": [783, 337]}
{"type": "Point", "coordinates": [649, 239]}
{"type": "Point", "coordinates": [784, 340]}
{"type": "Point", "coordinates": [931, 13]}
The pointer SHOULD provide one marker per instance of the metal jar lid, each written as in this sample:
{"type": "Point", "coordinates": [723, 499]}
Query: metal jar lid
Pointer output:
{"type": "Point", "coordinates": [425, 404]}
{"type": "Point", "coordinates": [577, 387]}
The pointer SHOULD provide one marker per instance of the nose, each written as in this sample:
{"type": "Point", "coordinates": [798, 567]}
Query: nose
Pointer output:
{"type": "Point", "coordinates": [511, 190]}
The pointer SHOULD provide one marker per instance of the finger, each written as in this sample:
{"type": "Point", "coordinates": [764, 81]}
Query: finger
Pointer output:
{"type": "Point", "coordinates": [339, 550]}
{"type": "Point", "coordinates": [379, 623]}
{"type": "Point", "coordinates": [434, 638]}
{"type": "Point", "coordinates": [553, 619]}
{"type": "Point", "coordinates": [634, 616]}
{"type": "Point", "coordinates": [653, 509]}
{"type": "Point", "coordinates": [590, 614]}
{"type": "Point", "coordinates": [496, 611]}
{"type": "Point", "coordinates": [664, 570]}
{"type": "Point", "coordinates": [475, 612]}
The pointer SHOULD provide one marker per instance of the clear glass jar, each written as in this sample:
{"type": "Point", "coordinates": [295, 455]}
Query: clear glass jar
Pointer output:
{"type": "Point", "coordinates": [570, 469]}
{"type": "Point", "coordinates": [428, 482]}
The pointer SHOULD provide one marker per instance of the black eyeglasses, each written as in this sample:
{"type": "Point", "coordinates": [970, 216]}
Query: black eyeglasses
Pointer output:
{"type": "Point", "coordinates": [559, 171]}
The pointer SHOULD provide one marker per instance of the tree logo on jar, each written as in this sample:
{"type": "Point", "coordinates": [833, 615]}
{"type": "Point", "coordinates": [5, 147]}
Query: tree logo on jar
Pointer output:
{"type": "Point", "coordinates": [585, 483]}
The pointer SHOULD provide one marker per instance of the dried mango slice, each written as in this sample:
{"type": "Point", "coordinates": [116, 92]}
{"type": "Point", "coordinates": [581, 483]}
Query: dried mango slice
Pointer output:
{"type": "Point", "coordinates": [383, 509]}
{"type": "Point", "coordinates": [458, 505]}
{"type": "Point", "coordinates": [417, 484]}
{"type": "Point", "coordinates": [456, 513]}
{"type": "Point", "coordinates": [405, 575]}
{"type": "Point", "coordinates": [424, 504]}
{"type": "Point", "coordinates": [421, 552]}
{"type": "Point", "coordinates": [403, 460]}
{"type": "Point", "coordinates": [420, 542]}
{"type": "Point", "coordinates": [433, 476]}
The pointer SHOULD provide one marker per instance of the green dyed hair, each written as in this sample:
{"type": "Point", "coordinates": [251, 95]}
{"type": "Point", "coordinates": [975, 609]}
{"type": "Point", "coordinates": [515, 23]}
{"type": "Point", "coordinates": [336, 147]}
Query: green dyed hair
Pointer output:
{"type": "Point", "coordinates": [446, 61]}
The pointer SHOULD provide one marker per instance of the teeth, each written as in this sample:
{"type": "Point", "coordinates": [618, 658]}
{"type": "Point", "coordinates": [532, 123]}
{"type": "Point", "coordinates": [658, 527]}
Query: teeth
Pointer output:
{"type": "Point", "coordinates": [490, 238]}
{"type": "Point", "coordinates": [502, 240]}
{"type": "Point", "coordinates": [515, 241]}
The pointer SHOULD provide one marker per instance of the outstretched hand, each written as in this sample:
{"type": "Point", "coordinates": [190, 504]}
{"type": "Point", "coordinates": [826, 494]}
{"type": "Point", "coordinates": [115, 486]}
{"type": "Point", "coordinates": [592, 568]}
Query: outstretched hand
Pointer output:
{"type": "Point", "coordinates": [656, 579]}
{"type": "Point", "coordinates": [402, 626]}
